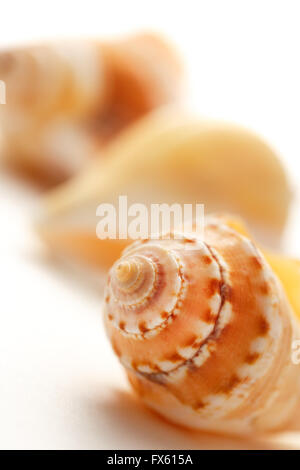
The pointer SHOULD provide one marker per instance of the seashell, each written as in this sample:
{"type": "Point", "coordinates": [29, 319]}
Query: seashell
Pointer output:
{"type": "Point", "coordinates": [87, 89]}
{"type": "Point", "coordinates": [205, 333]}
{"type": "Point", "coordinates": [170, 157]}
{"type": "Point", "coordinates": [286, 268]}
{"type": "Point", "coordinates": [145, 73]}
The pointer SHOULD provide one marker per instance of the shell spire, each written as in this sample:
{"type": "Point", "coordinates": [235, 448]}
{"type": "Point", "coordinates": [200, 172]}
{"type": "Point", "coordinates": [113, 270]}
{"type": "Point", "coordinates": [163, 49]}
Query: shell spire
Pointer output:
{"type": "Point", "coordinates": [204, 333]}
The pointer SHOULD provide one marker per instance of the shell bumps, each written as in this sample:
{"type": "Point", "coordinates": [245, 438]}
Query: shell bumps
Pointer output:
{"type": "Point", "coordinates": [204, 331]}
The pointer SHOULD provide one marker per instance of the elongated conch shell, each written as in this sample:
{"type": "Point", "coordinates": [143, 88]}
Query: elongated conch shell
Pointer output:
{"type": "Point", "coordinates": [66, 100]}
{"type": "Point", "coordinates": [204, 330]}
{"type": "Point", "coordinates": [169, 157]}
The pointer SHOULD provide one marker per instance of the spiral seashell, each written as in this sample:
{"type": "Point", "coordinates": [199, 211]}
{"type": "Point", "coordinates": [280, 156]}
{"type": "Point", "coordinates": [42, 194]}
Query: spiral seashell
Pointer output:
{"type": "Point", "coordinates": [204, 333]}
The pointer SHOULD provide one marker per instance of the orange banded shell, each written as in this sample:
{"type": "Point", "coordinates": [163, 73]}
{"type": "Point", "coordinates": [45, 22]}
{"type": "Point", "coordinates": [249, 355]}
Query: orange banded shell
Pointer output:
{"type": "Point", "coordinates": [67, 100]}
{"type": "Point", "coordinates": [205, 333]}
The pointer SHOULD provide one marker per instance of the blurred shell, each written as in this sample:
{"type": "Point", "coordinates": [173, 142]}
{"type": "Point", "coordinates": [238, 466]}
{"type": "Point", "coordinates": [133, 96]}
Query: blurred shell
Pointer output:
{"type": "Point", "coordinates": [94, 88]}
{"type": "Point", "coordinates": [169, 157]}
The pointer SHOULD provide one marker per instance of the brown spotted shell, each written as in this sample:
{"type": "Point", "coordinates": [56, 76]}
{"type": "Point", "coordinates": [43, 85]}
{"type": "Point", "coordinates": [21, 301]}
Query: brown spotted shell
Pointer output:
{"type": "Point", "coordinates": [204, 331]}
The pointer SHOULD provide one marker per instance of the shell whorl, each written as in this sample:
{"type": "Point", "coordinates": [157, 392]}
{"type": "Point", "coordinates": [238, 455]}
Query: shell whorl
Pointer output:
{"type": "Point", "coordinates": [202, 321]}
{"type": "Point", "coordinates": [147, 300]}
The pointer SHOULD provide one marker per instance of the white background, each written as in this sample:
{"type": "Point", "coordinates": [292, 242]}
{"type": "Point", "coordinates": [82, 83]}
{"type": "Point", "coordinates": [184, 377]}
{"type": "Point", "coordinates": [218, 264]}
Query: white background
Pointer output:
{"type": "Point", "coordinates": [60, 386]}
